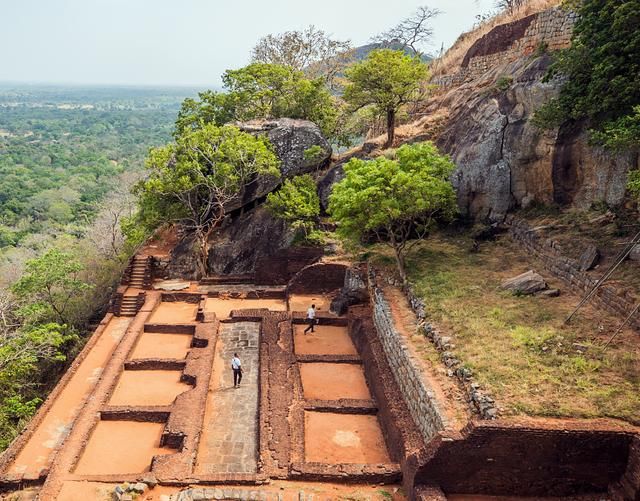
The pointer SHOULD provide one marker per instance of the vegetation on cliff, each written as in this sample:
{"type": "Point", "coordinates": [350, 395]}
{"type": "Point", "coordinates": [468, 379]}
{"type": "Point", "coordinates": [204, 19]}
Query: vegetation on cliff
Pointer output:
{"type": "Point", "coordinates": [599, 70]}
{"type": "Point", "coordinates": [268, 91]}
{"type": "Point", "coordinates": [297, 203]}
{"type": "Point", "coordinates": [193, 180]}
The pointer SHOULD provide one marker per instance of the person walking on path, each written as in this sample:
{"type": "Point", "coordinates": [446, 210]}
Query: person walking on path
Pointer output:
{"type": "Point", "coordinates": [311, 318]}
{"type": "Point", "coordinates": [236, 365]}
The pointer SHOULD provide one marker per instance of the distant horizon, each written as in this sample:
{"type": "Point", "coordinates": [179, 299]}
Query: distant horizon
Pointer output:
{"type": "Point", "coordinates": [159, 43]}
{"type": "Point", "coordinates": [53, 84]}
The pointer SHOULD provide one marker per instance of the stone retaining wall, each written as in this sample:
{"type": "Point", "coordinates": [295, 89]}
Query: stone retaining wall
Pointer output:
{"type": "Point", "coordinates": [568, 270]}
{"type": "Point", "coordinates": [407, 371]}
{"type": "Point", "coordinates": [552, 29]}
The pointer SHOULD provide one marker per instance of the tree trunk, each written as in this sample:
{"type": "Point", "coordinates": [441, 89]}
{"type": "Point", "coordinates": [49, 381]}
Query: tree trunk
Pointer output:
{"type": "Point", "coordinates": [203, 253]}
{"type": "Point", "coordinates": [400, 262]}
{"type": "Point", "coordinates": [391, 128]}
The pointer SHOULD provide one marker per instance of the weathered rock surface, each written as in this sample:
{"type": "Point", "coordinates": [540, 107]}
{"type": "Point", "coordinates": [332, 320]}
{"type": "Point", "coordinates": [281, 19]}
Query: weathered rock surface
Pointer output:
{"type": "Point", "coordinates": [503, 160]}
{"type": "Point", "coordinates": [236, 247]}
{"type": "Point", "coordinates": [325, 185]}
{"type": "Point", "coordinates": [589, 258]}
{"type": "Point", "coordinates": [290, 139]}
{"type": "Point", "coordinates": [527, 283]}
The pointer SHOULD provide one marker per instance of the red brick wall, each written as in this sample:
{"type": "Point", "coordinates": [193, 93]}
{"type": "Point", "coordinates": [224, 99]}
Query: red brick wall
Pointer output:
{"type": "Point", "coordinates": [508, 460]}
{"type": "Point", "coordinates": [320, 277]}
{"type": "Point", "coordinates": [280, 268]}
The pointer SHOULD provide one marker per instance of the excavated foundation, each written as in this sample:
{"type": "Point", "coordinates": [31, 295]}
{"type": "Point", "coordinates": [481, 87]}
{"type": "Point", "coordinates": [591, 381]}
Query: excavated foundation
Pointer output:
{"type": "Point", "coordinates": [154, 395]}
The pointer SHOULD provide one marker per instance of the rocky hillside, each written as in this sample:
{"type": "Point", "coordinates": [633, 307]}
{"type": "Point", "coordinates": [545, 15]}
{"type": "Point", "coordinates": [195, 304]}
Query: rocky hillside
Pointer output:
{"type": "Point", "coordinates": [481, 115]}
{"type": "Point", "coordinates": [503, 160]}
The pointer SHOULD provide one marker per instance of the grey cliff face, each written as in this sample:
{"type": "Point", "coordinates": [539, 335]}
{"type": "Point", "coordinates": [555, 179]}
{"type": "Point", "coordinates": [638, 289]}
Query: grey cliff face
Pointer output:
{"type": "Point", "coordinates": [504, 161]}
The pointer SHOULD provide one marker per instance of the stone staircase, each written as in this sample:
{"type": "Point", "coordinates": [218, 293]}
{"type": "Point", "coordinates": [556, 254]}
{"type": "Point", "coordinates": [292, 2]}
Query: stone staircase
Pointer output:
{"type": "Point", "coordinates": [127, 306]}
{"type": "Point", "coordinates": [138, 273]}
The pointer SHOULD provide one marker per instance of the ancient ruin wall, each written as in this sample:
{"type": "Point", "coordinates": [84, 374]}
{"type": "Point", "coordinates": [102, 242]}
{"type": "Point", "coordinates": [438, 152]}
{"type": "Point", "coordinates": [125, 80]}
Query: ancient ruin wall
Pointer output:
{"type": "Point", "coordinates": [407, 371]}
{"type": "Point", "coordinates": [552, 28]}
{"type": "Point", "coordinates": [568, 270]}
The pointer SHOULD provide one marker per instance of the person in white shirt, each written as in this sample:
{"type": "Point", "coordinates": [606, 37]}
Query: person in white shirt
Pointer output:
{"type": "Point", "coordinates": [311, 318]}
{"type": "Point", "coordinates": [236, 366]}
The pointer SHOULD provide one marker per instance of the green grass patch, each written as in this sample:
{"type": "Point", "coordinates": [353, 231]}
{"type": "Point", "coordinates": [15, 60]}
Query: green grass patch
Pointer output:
{"type": "Point", "coordinates": [518, 346]}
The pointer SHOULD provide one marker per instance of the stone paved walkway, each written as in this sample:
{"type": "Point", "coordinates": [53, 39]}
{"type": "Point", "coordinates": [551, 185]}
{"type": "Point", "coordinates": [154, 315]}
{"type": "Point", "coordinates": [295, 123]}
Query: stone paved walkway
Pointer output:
{"type": "Point", "coordinates": [229, 440]}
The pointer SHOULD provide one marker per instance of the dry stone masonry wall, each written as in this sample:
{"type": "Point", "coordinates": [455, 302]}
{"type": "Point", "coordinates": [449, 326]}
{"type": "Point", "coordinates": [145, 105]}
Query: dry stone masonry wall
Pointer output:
{"type": "Point", "coordinates": [406, 371]}
{"type": "Point", "coordinates": [550, 253]}
{"type": "Point", "coordinates": [552, 29]}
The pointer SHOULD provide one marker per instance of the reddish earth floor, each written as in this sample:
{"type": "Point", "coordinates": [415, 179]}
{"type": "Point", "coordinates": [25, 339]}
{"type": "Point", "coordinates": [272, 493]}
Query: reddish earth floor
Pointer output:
{"type": "Point", "coordinates": [55, 425]}
{"type": "Point", "coordinates": [301, 302]}
{"type": "Point", "coordinates": [334, 381]}
{"type": "Point", "coordinates": [343, 438]}
{"type": "Point", "coordinates": [222, 307]}
{"type": "Point", "coordinates": [174, 313]}
{"type": "Point", "coordinates": [120, 447]}
{"type": "Point", "coordinates": [162, 346]}
{"type": "Point", "coordinates": [325, 340]}
{"type": "Point", "coordinates": [144, 388]}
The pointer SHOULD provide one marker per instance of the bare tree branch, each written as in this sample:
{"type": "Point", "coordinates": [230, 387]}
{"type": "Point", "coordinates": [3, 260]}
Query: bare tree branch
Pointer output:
{"type": "Point", "coordinates": [413, 33]}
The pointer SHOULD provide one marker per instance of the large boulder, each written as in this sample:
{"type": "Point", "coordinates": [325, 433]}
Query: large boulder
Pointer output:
{"type": "Point", "coordinates": [526, 284]}
{"type": "Point", "coordinates": [290, 139]}
{"type": "Point", "coordinates": [589, 258]}
{"type": "Point", "coordinates": [237, 246]}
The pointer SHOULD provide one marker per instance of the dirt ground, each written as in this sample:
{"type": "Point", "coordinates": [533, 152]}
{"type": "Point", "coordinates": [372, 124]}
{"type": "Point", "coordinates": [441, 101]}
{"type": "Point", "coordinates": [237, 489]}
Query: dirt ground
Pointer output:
{"type": "Point", "coordinates": [302, 302]}
{"type": "Point", "coordinates": [333, 381]}
{"type": "Point", "coordinates": [119, 447]}
{"type": "Point", "coordinates": [174, 313]}
{"type": "Point", "coordinates": [162, 346]}
{"type": "Point", "coordinates": [343, 438]}
{"type": "Point", "coordinates": [519, 347]}
{"type": "Point", "coordinates": [325, 340]}
{"type": "Point", "coordinates": [145, 388]}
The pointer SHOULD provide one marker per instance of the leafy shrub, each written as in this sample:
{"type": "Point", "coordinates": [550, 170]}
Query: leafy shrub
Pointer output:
{"type": "Point", "coordinates": [600, 69]}
{"type": "Point", "coordinates": [504, 83]}
{"type": "Point", "coordinates": [297, 203]}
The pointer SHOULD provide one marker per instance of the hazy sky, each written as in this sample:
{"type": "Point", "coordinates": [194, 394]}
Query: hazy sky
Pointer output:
{"type": "Point", "coordinates": [183, 42]}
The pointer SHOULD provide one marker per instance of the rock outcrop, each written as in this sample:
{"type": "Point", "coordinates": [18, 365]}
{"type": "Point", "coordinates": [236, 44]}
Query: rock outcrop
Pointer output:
{"type": "Point", "coordinates": [526, 284]}
{"type": "Point", "coordinates": [236, 247]}
{"type": "Point", "coordinates": [292, 142]}
{"type": "Point", "coordinates": [503, 160]}
{"type": "Point", "coordinates": [249, 233]}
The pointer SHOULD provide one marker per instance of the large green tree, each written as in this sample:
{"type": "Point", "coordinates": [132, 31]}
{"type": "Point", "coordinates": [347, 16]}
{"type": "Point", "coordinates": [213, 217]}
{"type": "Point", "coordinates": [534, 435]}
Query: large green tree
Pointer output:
{"type": "Point", "coordinates": [600, 70]}
{"type": "Point", "coordinates": [387, 80]}
{"type": "Point", "coordinates": [193, 180]}
{"type": "Point", "coordinates": [263, 90]}
{"type": "Point", "coordinates": [395, 199]}
{"type": "Point", "coordinates": [49, 287]}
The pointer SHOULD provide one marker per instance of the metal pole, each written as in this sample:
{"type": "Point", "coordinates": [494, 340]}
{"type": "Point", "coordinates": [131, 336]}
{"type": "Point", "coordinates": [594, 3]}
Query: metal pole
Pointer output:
{"type": "Point", "coordinates": [626, 321]}
{"type": "Point", "coordinates": [607, 274]}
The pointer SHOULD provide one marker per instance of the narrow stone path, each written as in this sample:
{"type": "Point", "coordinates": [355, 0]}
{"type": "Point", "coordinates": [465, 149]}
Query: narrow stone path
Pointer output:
{"type": "Point", "coordinates": [229, 436]}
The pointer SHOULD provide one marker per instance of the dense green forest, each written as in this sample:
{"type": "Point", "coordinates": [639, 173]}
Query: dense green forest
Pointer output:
{"type": "Point", "coordinates": [63, 150]}
{"type": "Point", "coordinates": [68, 159]}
